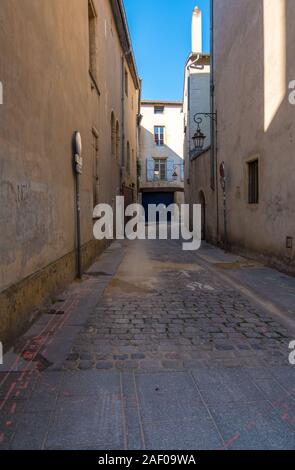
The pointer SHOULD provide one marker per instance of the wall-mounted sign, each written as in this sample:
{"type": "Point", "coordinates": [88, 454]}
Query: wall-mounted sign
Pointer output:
{"type": "Point", "coordinates": [78, 160]}
{"type": "Point", "coordinates": [78, 164]}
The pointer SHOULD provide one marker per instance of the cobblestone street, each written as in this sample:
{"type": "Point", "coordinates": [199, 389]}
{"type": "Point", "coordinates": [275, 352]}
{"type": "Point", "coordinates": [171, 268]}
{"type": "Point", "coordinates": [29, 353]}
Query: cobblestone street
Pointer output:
{"type": "Point", "coordinates": [157, 348]}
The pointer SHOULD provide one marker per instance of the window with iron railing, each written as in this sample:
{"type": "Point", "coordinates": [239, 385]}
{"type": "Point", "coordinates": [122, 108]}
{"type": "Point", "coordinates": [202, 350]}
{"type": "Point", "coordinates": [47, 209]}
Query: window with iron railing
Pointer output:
{"type": "Point", "coordinates": [164, 170]}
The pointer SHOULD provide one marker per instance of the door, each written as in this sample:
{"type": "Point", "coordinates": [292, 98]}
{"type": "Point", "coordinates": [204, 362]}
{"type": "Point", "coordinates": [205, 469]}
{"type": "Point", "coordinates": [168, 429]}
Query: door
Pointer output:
{"type": "Point", "coordinates": [157, 198]}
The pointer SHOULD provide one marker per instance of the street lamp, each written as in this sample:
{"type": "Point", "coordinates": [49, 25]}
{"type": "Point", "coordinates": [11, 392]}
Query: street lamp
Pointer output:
{"type": "Point", "coordinates": [199, 138]}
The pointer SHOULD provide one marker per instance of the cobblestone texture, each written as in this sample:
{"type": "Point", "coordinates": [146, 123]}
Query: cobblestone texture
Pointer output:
{"type": "Point", "coordinates": [188, 317]}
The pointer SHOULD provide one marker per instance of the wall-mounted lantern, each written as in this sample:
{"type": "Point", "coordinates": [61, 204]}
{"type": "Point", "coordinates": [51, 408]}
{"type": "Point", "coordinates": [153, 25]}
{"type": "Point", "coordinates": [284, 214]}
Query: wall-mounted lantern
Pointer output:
{"type": "Point", "coordinates": [199, 138]}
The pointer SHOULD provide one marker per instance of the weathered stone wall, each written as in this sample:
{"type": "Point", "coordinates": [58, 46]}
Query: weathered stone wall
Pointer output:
{"type": "Point", "coordinates": [18, 303]}
{"type": "Point", "coordinates": [254, 64]}
{"type": "Point", "coordinates": [49, 94]}
{"type": "Point", "coordinates": [111, 67]}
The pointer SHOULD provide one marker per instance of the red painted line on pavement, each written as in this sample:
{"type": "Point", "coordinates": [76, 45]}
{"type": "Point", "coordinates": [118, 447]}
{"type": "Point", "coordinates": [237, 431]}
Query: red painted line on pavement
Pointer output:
{"type": "Point", "coordinates": [289, 419]}
{"type": "Point", "coordinates": [25, 368]}
{"type": "Point", "coordinates": [19, 356]}
{"type": "Point", "coordinates": [31, 356]}
{"type": "Point", "coordinates": [232, 440]}
{"type": "Point", "coordinates": [12, 386]}
{"type": "Point", "coordinates": [13, 408]}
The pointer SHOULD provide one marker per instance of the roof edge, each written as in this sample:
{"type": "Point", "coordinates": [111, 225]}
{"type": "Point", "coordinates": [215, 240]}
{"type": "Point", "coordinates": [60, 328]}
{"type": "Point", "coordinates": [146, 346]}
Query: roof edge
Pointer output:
{"type": "Point", "coordinates": [164, 102]}
{"type": "Point", "coordinates": [119, 13]}
{"type": "Point", "coordinates": [195, 55]}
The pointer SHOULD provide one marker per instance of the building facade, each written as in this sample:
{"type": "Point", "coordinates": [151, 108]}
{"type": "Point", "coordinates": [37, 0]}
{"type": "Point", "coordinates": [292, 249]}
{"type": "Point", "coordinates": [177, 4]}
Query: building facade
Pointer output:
{"type": "Point", "coordinates": [253, 69]}
{"type": "Point", "coordinates": [196, 102]}
{"type": "Point", "coordinates": [65, 67]}
{"type": "Point", "coordinates": [161, 153]}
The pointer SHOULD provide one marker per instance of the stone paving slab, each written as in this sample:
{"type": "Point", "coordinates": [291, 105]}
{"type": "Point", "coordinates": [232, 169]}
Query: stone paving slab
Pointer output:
{"type": "Point", "coordinates": [226, 386]}
{"type": "Point", "coordinates": [87, 422]}
{"type": "Point", "coordinates": [135, 439]}
{"type": "Point", "coordinates": [89, 383]}
{"type": "Point", "coordinates": [45, 392]}
{"type": "Point", "coordinates": [167, 397]}
{"type": "Point", "coordinates": [186, 434]}
{"type": "Point", "coordinates": [31, 430]}
{"type": "Point", "coordinates": [255, 427]}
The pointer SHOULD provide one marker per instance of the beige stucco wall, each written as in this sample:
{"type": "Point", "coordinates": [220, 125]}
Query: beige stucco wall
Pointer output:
{"type": "Point", "coordinates": [41, 52]}
{"type": "Point", "coordinates": [196, 99]}
{"type": "Point", "coordinates": [109, 81]}
{"type": "Point", "coordinates": [197, 169]}
{"type": "Point", "coordinates": [48, 94]}
{"type": "Point", "coordinates": [172, 120]}
{"type": "Point", "coordinates": [254, 64]}
{"type": "Point", "coordinates": [198, 191]}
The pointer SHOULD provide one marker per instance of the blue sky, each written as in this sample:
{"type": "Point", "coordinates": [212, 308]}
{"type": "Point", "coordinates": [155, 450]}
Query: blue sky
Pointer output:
{"type": "Point", "coordinates": [161, 36]}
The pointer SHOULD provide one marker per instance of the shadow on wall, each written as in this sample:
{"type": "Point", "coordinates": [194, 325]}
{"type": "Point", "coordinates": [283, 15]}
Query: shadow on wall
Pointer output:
{"type": "Point", "coordinates": [150, 151]}
{"type": "Point", "coordinates": [254, 64]}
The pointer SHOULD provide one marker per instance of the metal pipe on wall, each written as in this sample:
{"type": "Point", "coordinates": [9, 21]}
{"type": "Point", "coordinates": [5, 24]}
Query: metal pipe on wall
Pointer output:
{"type": "Point", "coordinates": [77, 167]}
{"type": "Point", "coordinates": [123, 115]}
{"type": "Point", "coordinates": [78, 221]}
{"type": "Point", "coordinates": [212, 110]}
{"type": "Point", "coordinates": [214, 128]}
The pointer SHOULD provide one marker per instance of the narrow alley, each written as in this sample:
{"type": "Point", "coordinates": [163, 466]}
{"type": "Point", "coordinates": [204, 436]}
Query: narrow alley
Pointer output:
{"type": "Point", "coordinates": [157, 348]}
{"type": "Point", "coordinates": [124, 122]}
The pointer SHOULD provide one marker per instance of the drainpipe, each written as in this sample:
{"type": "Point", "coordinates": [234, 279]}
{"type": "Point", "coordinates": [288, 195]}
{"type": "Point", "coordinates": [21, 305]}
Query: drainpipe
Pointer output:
{"type": "Point", "coordinates": [123, 119]}
{"type": "Point", "coordinates": [213, 125]}
{"type": "Point", "coordinates": [194, 64]}
{"type": "Point", "coordinates": [212, 110]}
{"type": "Point", "coordinates": [77, 167]}
{"type": "Point", "coordinates": [138, 156]}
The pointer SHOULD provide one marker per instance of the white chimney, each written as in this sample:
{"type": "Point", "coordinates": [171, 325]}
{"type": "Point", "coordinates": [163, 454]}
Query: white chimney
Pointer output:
{"type": "Point", "coordinates": [197, 31]}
